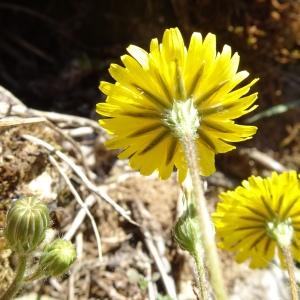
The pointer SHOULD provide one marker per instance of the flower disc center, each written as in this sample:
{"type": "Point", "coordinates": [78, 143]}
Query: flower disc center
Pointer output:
{"type": "Point", "coordinates": [183, 118]}
{"type": "Point", "coordinates": [282, 231]}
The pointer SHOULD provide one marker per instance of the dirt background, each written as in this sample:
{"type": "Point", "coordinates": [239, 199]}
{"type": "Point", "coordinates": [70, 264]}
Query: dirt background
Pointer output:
{"type": "Point", "coordinates": [53, 55]}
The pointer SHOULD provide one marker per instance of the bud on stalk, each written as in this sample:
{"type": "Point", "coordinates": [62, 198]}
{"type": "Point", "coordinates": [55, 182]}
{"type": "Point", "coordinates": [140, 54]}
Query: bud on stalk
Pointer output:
{"type": "Point", "coordinates": [26, 225]}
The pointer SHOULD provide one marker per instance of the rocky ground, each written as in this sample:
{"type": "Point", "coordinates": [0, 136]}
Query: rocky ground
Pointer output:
{"type": "Point", "coordinates": [134, 214]}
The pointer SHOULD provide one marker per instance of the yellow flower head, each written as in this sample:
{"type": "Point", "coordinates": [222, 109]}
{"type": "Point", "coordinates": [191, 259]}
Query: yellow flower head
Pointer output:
{"type": "Point", "coordinates": [142, 105]}
{"type": "Point", "coordinates": [260, 216]}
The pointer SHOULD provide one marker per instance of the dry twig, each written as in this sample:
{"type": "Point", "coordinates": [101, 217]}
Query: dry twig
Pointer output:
{"type": "Point", "coordinates": [8, 122]}
{"type": "Point", "coordinates": [264, 159]}
{"type": "Point", "coordinates": [77, 221]}
{"type": "Point", "coordinates": [81, 203]}
{"type": "Point", "coordinates": [74, 121]}
{"type": "Point", "coordinates": [152, 291]}
{"type": "Point", "coordinates": [111, 291]}
{"type": "Point", "coordinates": [99, 191]}
{"type": "Point", "coordinates": [20, 109]}
{"type": "Point", "coordinates": [157, 257]}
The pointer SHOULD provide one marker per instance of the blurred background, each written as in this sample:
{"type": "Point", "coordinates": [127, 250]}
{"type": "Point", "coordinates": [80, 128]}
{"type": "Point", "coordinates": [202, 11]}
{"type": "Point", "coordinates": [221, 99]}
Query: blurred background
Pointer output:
{"type": "Point", "coordinates": [54, 53]}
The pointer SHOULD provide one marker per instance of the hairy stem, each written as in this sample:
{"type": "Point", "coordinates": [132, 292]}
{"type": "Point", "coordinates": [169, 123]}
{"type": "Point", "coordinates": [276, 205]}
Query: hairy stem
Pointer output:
{"type": "Point", "coordinates": [17, 283]}
{"type": "Point", "coordinates": [202, 282]}
{"type": "Point", "coordinates": [291, 271]}
{"type": "Point", "coordinates": [206, 227]}
{"type": "Point", "coordinates": [35, 276]}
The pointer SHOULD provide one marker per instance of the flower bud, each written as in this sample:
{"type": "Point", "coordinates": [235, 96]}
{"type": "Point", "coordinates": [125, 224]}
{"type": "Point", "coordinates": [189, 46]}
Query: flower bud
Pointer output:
{"type": "Point", "coordinates": [186, 230]}
{"type": "Point", "coordinates": [26, 224]}
{"type": "Point", "coordinates": [57, 258]}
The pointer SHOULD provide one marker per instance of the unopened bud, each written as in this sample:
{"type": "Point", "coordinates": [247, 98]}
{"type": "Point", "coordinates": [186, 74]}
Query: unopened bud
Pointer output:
{"type": "Point", "coordinates": [26, 224]}
{"type": "Point", "coordinates": [186, 230]}
{"type": "Point", "coordinates": [57, 258]}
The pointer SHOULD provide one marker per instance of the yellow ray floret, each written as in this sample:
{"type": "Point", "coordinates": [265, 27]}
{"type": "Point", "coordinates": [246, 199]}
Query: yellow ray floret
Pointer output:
{"type": "Point", "coordinates": [244, 217]}
{"type": "Point", "coordinates": [149, 84]}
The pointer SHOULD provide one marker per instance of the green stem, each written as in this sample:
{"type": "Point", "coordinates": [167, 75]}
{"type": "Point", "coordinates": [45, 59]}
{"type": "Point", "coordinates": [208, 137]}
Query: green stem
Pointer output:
{"type": "Point", "coordinates": [35, 276]}
{"type": "Point", "coordinates": [206, 227]}
{"type": "Point", "coordinates": [202, 283]}
{"type": "Point", "coordinates": [17, 283]}
{"type": "Point", "coordinates": [291, 271]}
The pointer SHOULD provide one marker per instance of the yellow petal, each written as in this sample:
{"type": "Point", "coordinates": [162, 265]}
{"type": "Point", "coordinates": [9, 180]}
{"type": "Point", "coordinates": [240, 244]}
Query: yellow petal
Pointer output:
{"type": "Point", "coordinates": [140, 55]}
{"type": "Point", "coordinates": [138, 104]}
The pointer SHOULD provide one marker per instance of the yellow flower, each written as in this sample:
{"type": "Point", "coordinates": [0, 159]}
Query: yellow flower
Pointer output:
{"type": "Point", "coordinates": [259, 217]}
{"type": "Point", "coordinates": [140, 105]}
